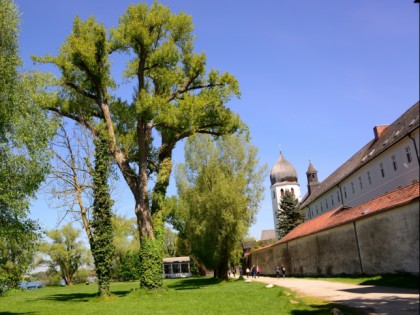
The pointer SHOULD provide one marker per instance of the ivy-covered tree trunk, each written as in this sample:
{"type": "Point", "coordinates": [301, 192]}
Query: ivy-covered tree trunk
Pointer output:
{"type": "Point", "coordinates": [102, 245]}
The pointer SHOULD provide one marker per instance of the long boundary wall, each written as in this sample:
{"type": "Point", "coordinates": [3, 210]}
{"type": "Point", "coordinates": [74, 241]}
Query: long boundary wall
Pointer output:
{"type": "Point", "coordinates": [386, 242]}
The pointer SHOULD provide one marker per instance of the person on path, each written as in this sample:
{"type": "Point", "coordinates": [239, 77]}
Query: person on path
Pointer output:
{"type": "Point", "coordinates": [283, 271]}
{"type": "Point", "coordinates": [277, 271]}
{"type": "Point", "coordinates": [247, 272]}
{"type": "Point", "coordinates": [258, 271]}
{"type": "Point", "coordinates": [254, 271]}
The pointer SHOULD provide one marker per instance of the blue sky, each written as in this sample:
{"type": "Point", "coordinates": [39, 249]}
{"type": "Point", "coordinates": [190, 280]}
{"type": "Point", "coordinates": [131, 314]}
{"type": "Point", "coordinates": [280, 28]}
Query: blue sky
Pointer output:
{"type": "Point", "coordinates": [315, 76]}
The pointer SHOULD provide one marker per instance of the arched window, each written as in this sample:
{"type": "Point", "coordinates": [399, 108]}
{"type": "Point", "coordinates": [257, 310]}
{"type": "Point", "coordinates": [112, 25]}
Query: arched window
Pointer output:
{"type": "Point", "coordinates": [293, 191]}
{"type": "Point", "coordinates": [281, 192]}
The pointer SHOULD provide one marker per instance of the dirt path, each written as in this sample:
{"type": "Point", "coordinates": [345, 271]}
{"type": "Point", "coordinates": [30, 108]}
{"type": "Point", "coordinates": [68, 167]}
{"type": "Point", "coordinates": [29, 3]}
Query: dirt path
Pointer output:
{"type": "Point", "coordinates": [375, 300]}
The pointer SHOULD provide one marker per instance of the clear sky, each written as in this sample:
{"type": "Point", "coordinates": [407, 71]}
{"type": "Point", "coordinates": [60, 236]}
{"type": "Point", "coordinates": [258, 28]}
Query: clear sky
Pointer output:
{"type": "Point", "coordinates": [315, 76]}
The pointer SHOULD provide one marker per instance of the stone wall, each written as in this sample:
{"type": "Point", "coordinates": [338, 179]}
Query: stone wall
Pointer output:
{"type": "Point", "coordinates": [387, 242]}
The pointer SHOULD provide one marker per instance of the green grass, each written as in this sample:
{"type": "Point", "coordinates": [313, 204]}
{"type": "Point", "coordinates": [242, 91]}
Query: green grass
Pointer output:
{"type": "Point", "coordinates": [183, 296]}
{"type": "Point", "coordinates": [390, 280]}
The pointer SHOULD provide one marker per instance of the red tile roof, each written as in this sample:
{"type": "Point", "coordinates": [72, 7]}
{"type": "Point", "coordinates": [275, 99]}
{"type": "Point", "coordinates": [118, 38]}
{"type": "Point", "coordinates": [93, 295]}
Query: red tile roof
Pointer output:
{"type": "Point", "coordinates": [341, 216]}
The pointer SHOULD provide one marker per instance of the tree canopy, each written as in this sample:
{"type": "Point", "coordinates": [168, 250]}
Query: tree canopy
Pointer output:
{"type": "Point", "coordinates": [174, 98]}
{"type": "Point", "coordinates": [220, 187]}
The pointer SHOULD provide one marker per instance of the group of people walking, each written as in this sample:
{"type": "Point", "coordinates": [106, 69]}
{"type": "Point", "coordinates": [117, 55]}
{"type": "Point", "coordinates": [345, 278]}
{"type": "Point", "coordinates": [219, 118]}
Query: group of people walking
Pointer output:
{"type": "Point", "coordinates": [256, 270]}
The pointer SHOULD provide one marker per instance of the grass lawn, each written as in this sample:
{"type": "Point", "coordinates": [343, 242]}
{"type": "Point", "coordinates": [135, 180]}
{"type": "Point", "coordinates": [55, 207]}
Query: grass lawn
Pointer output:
{"type": "Point", "coordinates": [178, 296]}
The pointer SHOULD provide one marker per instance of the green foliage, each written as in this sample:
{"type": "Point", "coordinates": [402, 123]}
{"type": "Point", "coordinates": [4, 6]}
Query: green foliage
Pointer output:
{"type": "Point", "coordinates": [102, 246]}
{"type": "Point", "coordinates": [288, 215]}
{"type": "Point", "coordinates": [151, 264]}
{"type": "Point", "coordinates": [66, 253]}
{"type": "Point", "coordinates": [128, 267]}
{"type": "Point", "coordinates": [19, 239]}
{"type": "Point", "coordinates": [126, 260]}
{"type": "Point", "coordinates": [24, 155]}
{"type": "Point", "coordinates": [220, 187]}
{"type": "Point", "coordinates": [169, 242]}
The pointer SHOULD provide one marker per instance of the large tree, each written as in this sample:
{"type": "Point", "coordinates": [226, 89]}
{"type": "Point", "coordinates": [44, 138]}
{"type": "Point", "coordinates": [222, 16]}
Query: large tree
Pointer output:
{"type": "Point", "coordinates": [288, 214]}
{"type": "Point", "coordinates": [220, 187]}
{"type": "Point", "coordinates": [24, 154]}
{"type": "Point", "coordinates": [174, 98]}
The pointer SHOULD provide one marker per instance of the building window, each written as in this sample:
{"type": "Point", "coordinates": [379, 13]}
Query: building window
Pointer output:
{"type": "Point", "coordinates": [316, 209]}
{"type": "Point", "coordinates": [394, 162]}
{"type": "Point", "coordinates": [345, 192]}
{"type": "Point", "coordinates": [322, 209]}
{"type": "Point", "coordinates": [332, 200]}
{"type": "Point", "coordinates": [326, 203]}
{"type": "Point", "coordinates": [338, 196]}
{"type": "Point", "coordinates": [352, 188]}
{"type": "Point", "coordinates": [408, 154]}
{"type": "Point", "coordinates": [360, 182]}
{"type": "Point", "coordinates": [274, 194]}
{"type": "Point", "coordinates": [369, 178]}
{"type": "Point", "coordinates": [281, 192]}
{"type": "Point", "coordinates": [381, 166]}
{"type": "Point", "coordinates": [293, 191]}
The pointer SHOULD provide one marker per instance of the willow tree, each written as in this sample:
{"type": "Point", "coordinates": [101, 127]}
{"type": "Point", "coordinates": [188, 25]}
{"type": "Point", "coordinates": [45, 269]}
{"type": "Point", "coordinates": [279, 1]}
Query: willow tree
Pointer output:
{"type": "Point", "coordinates": [220, 187]}
{"type": "Point", "coordinates": [174, 98]}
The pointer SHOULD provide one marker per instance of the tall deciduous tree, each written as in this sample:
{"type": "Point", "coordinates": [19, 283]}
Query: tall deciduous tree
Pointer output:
{"type": "Point", "coordinates": [288, 214]}
{"type": "Point", "coordinates": [24, 154]}
{"type": "Point", "coordinates": [66, 252]}
{"type": "Point", "coordinates": [220, 187]}
{"type": "Point", "coordinates": [174, 98]}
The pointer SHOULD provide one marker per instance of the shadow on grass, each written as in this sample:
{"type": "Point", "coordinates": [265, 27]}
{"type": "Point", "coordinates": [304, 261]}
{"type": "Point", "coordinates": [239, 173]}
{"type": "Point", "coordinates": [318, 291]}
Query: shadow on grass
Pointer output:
{"type": "Point", "coordinates": [71, 297]}
{"type": "Point", "coordinates": [120, 293]}
{"type": "Point", "coordinates": [192, 283]}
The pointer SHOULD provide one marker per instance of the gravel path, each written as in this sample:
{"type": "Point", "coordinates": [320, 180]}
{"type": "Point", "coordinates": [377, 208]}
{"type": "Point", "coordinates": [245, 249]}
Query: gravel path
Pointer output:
{"type": "Point", "coordinates": [375, 300]}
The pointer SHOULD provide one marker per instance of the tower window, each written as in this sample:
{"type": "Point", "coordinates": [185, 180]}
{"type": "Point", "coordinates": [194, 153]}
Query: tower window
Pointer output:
{"type": "Point", "coordinates": [338, 196]}
{"type": "Point", "coordinates": [345, 192]}
{"type": "Point", "coordinates": [360, 182]}
{"type": "Point", "coordinates": [352, 188]}
{"type": "Point", "coordinates": [369, 178]}
{"type": "Point", "coordinates": [274, 194]}
{"type": "Point", "coordinates": [408, 154]}
{"type": "Point", "coordinates": [326, 203]}
{"type": "Point", "coordinates": [332, 200]}
{"type": "Point", "coordinates": [282, 192]}
{"type": "Point", "coordinates": [394, 162]}
{"type": "Point", "coordinates": [293, 191]}
{"type": "Point", "coordinates": [381, 166]}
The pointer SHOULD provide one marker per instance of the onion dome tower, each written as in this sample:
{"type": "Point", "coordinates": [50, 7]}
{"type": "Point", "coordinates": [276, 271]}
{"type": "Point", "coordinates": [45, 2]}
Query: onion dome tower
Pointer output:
{"type": "Point", "coordinates": [283, 177]}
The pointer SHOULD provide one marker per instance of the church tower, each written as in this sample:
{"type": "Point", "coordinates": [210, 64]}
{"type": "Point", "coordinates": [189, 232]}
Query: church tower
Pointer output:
{"type": "Point", "coordinates": [283, 176]}
{"type": "Point", "coordinates": [312, 177]}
